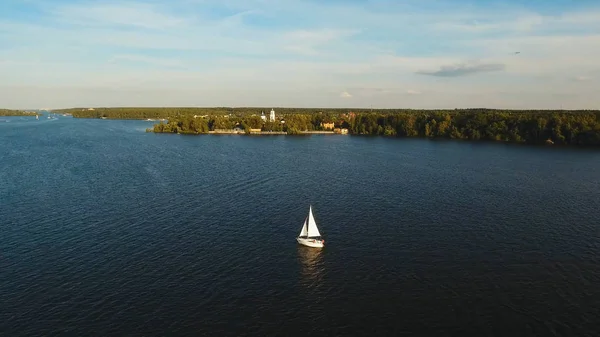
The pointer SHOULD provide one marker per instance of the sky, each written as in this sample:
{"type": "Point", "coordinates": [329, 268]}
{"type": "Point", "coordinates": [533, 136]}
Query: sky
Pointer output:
{"type": "Point", "coordinates": [300, 53]}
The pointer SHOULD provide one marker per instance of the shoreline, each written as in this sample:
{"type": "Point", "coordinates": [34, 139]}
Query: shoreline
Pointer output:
{"type": "Point", "coordinates": [433, 139]}
{"type": "Point", "coordinates": [18, 113]}
{"type": "Point", "coordinates": [253, 133]}
{"type": "Point", "coordinates": [542, 127]}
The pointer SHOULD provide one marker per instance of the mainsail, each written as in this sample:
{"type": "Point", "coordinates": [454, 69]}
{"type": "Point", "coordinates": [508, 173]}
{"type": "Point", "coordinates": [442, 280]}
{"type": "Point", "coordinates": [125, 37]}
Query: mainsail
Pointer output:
{"type": "Point", "coordinates": [312, 225]}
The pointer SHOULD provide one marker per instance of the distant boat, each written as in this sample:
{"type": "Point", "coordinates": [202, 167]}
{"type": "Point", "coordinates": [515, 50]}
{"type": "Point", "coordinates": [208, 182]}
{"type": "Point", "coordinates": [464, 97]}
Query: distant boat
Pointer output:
{"type": "Point", "coordinates": [309, 235]}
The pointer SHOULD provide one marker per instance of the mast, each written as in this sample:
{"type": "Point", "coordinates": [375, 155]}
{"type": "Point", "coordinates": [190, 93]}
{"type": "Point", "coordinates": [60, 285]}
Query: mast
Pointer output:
{"type": "Point", "coordinates": [308, 220]}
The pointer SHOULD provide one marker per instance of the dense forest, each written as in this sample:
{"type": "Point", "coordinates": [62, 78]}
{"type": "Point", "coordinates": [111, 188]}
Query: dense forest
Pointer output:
{"type": "Point", "coordinates": [533, 127]}
{"type": "Point", "coordinates": [292, 123]}
{"type": "Point", "coordinates": [562, 127]}
{"type": "Point", "coordinates": [6, 112]}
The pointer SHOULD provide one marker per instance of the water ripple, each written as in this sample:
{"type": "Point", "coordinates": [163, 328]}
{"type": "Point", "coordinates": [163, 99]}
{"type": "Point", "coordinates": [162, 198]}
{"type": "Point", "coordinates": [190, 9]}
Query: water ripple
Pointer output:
{"type": "Point", "coordinates": [108, 230]}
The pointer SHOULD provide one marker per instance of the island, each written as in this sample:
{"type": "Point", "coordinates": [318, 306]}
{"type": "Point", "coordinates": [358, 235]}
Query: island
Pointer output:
{"type": "Point", "coordinates": [556, 127]}
{"type": "Point", "coordinates": [7, 112]}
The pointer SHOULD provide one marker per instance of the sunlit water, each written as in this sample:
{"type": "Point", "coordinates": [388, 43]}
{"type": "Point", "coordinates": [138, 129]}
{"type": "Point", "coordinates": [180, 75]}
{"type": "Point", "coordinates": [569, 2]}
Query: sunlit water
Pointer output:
{"type": "Point", "coordinates": [110, 231]}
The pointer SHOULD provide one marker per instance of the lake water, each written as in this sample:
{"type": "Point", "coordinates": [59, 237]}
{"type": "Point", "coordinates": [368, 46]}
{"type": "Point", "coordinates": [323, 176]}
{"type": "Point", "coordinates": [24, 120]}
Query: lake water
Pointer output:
{"type": "Point", "coordinates": [107, 230]}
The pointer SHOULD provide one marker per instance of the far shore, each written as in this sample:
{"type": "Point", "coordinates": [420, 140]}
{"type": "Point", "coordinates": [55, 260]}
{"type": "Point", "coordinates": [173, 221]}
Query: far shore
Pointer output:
{"type": "Point", "coordinates": [235, 132]}
{"type": "Point", "coordinates": [18, 113]}
{"type": "Point", "coordinates": [542, 127]}
{"type": "Point", "coordinates": [256, 133]}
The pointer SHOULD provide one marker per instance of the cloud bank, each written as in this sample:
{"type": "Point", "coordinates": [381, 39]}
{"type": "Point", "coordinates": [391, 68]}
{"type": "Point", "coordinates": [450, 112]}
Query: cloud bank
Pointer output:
{"type": "Point", "coordinates": [463, 69]}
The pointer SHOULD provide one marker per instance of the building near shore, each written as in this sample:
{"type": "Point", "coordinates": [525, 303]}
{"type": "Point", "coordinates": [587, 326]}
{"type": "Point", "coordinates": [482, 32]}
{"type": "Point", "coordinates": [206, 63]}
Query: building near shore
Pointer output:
{"type": "Point", "coordinates": [328, 125]}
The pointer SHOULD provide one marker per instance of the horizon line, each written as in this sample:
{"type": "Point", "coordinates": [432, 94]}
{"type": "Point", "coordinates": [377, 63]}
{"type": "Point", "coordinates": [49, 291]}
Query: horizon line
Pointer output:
{"type": "Point", "coordinates": [302, 108]}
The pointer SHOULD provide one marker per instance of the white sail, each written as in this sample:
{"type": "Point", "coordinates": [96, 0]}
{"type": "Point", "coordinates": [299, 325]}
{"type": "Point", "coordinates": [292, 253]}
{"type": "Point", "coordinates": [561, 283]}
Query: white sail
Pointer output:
{"type": "Point", "coordinates": [312, 225]}
{"type": "Point", "coordinates": [304, 230]}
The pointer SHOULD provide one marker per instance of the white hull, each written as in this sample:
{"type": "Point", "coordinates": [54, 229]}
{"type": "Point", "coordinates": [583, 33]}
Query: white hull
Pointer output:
{"type": "Point", "coordinates": [310, 242]}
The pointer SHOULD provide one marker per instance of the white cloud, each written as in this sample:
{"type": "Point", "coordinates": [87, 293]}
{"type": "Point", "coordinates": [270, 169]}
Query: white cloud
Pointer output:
{"type": "Point", "coordinates": [268, 45]}
{"type": "Point", "coordinates": [135, 14]}
{"type": "Point", "coordinates": [318, 36]}
{"type": "Point", "coordinates": [307, 42]}
{"type": "Point", "coordinates": [463, 69]}
{"type": "Point", "coordinates": [522, 22]}
{"type": "Point", "coordinates": [146, 59]}
{"type": "Point", "coordinates": [519, 24]}
{"type": "Point", "coordinates": [58, 97]}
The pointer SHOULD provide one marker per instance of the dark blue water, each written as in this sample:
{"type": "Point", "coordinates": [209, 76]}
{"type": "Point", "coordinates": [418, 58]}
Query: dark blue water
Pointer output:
{"type": "Point", "coordinates": [110, 231]}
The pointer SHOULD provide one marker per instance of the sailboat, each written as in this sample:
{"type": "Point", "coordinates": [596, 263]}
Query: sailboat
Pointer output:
{"type": "Point", "coordinates": [309, 235]}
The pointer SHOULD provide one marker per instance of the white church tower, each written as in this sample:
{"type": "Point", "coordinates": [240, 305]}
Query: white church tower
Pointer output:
{"type": "Point", "coordinates": [272, 116]}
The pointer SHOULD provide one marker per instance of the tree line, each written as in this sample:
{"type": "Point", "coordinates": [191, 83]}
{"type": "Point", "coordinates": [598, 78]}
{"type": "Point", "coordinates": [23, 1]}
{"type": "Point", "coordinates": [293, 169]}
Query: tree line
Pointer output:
{"type": "Point", "coordinates": [7, 112]}
{"type": "Point", "coordinates": [565, 127]}
{"type": "Point", "coordinates": [167, 112]}
{"type": "Point", "coordinates": [532, 127]}
{"type": "Point", "coordinates": [139, 113]}
{"type": "Point", "coordinates": [289, 123]}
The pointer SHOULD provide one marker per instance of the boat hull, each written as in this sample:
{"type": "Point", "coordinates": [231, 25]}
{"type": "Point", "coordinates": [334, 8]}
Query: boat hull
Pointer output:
{"type": "Point", "coordinates": [310, 242]}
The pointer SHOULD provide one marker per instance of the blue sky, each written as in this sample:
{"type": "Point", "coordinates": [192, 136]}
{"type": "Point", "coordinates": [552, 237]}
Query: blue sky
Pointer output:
{"type": "Point", "coordinates": [354, 53]}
